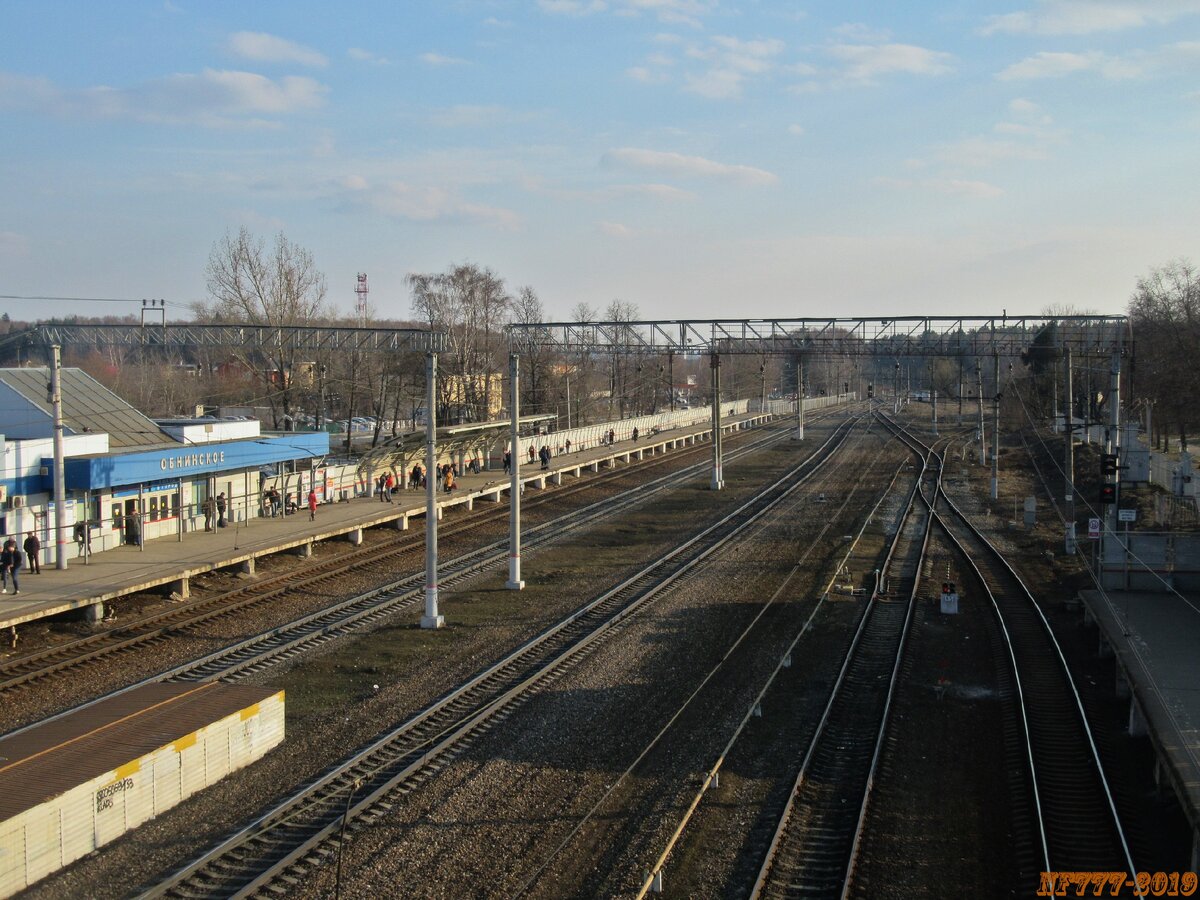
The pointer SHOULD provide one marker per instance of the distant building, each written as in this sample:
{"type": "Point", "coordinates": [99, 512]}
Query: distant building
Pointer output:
{"type": "Point", "coordinates": [123, 469]}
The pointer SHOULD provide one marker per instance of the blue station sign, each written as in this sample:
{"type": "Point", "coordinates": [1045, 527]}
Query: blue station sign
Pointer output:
{"type": "Point", "coordinates": [147, 466]}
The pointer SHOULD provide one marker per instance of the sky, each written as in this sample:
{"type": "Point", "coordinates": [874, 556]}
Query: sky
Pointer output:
{"type": "Point", "coordinates": [696, 158]}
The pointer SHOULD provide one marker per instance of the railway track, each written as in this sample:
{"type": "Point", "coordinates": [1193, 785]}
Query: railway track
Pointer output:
{"type": "Point", "coordinates": [812, 850]}
{"type": "Point", "coordinates": [1076, 817]}
{"type": "Point", "coordinates": [279, 848]}
{"type": "Point", "coordinates": [67, 659]}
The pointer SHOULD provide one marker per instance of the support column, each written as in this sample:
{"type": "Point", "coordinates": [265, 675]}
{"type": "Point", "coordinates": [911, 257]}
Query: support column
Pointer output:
{"type": "Point", "coordinates": [896, 391]}
{"type": "Point", "coordinates": [1068, 447]}
{"type": "Point", "coordinates": [799, 399]}
{"type": "Point", "coordinates": [979, 395]}
{"type": "Point", "coordinates": [514, 582]}
{"type": "Point", "coordinates": [60, 485]}
{"type": "Point", "coordinates": [996, 426]}
{"type": "Point", "coordinates": [933, 402]}
{"type": "Point", "coordinates": [1114, 437]}
{"type": "Point", "coordinates": [960, 390]}
{"type": "Point", "coordinates": [718, 478]}
{"type": "Point", "coordinates": [431, 619]}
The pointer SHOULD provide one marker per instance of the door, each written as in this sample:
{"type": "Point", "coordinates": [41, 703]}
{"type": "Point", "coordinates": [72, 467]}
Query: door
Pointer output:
{"type": "Point", "coordinates": [131, 521]}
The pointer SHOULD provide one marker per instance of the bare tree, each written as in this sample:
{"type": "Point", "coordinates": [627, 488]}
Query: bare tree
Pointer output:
{"type": "Point", "coordinates": [469, 303]}
{"type": "Point", "coordinates": [279, 286]}
{"type": "Point", "coordinates": [1165, 309]}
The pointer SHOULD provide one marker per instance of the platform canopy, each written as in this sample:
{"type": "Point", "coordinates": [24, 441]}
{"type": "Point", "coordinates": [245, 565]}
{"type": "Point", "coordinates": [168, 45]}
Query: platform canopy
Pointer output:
{"type": "Point", "coordinates": [903, 336]}
{"type": "Point", "coordinates": [277, 338]}
{"type": "Point", "coordinates": [402, 450]}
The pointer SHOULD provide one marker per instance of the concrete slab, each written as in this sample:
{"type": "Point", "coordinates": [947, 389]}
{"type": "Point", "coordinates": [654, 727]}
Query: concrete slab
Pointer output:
{"type": "Point", "coordinates": [1156, 638]}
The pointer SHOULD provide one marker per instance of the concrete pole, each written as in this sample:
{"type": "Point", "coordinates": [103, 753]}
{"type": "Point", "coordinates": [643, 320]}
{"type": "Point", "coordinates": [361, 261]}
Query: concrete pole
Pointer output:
{"type": "Point", "coordinates": [1054, 395]}
{"type": "Point", "coordinates": [979, 394]}
{"type": "Point", "coordinates": [60, 480]}
{"type": "Point", "coordinates": [1114, 432]}
{"type": "Point", "coordinates": [960, 390]}
{"type": "Point", "coordinates": [514, 582]}
{"type": "Point", "coordinates": [799, 399]}
{"type": "Point", "coordinates": [718, 477]}
{"type": "Point", "coordinates": [933, 401]}
{"type": "Point", "coordinates": [431, 619]}
{"type": "Point", "coordinates": [996, 427]}
{"type": "Point", "coordinates": [1069, 439]}
{"type": "Point", "coordinates": [896, 392]}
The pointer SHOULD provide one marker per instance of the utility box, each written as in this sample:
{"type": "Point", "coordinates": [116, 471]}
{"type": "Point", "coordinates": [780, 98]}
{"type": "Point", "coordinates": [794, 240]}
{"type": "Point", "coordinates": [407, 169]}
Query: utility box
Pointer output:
{"type": "Point", "coordinates": [1030, 511]}
{"type": "Point", "coordinates": [950, 604]}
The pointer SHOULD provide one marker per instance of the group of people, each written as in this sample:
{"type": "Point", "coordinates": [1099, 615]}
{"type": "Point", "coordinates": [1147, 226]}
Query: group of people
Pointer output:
{"type": "Point", "coordinates": [214, 509]}
{"type": "Point", "coordinates": [12, 559]}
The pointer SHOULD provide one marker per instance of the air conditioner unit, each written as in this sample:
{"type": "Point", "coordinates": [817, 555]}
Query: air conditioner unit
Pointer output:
{"type": "Point", "coordinates": [17, 502]}
{"type": "Point", "coordinates": [44, 471]}
{"type": "Point", "coordinates": [3, 492]}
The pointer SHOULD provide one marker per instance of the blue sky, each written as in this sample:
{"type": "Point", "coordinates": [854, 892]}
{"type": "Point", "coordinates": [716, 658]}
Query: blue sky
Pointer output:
{"type": "Point", "coordinates": [698, 158]}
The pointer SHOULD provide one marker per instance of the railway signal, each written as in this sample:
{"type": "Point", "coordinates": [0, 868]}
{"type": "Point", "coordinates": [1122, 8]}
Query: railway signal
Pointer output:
{"type": "Point", "coordinates": [1108, 464]}
{"type": "Point", "coordinates": [1108, 493]}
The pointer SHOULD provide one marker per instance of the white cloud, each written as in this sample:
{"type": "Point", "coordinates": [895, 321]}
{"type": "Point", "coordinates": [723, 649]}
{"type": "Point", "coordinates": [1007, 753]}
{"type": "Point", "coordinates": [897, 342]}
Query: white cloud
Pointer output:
{"type": "Point", "coordinates": [646, 76]}
{"type": "Point", "coordinates": [954, 186]}
{"type": "Point", "coordinates": [13, 245]}
{"type": "Point", "coordinates": [674, 12]}
{"type": "Point", "coordinates": [358, 54]}
{"type": "Point", "coordinates": [261, 47]}
{"type": "Point", "coordinates": [572, 7]}
{"type": "Point", "coordinates": [466, 116]}
{"type": "Point", "coordinates": [437, 59]}
{"type": "Point", "coordinates": [213, 97]}
{"type": "Point", "coordinates": [1059, 17]}
{"type": "Point", "coordinates": [616, 229]}
{"type": "Point", "coordinates": [981, 152]}
{"type": "Point", "coordinates": [862, 34]}
{"type": "Point", "coordinates": [688, 166]}
{"type": "Point", "coordinates": [1049, 64]}
{"type": "Point", "coordinates": [865, 62]}
{"type": "Point", "coordinates": [796, 130]}
{"type": "Point", "coordinates": [716, 84]}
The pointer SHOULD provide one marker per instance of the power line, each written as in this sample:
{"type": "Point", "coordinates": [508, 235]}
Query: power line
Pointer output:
{"type": "Point", "coordinates": [89, 299]}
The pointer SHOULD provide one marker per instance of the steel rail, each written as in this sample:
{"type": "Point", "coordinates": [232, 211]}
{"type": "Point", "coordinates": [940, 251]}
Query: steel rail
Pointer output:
{"type": "Point", "coordinates": [840, 693]}
{"type": "Point", "coordinates": [463, 710]}
{"type": "Point", "coordinates": [258, 652]}
{"type": "Point", "coordinates": [31, 668]}
{"type": "Point", "coordinates": [931, 505]}
{"type": "Point", "coordinates": [592, 814]}
{"type": "Point", "coordinates": [1076, 701]}
{"type": "Point", "coordinates": [712, 774]}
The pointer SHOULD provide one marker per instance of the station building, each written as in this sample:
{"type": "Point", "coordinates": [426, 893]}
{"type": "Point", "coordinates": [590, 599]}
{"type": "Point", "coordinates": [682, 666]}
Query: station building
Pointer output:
{"type": "Point", "coordinates": [128, 476]}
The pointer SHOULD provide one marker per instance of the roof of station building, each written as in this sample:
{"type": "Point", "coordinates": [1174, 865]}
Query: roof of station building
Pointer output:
{"type": "Point", "coordinates": [88, 407]}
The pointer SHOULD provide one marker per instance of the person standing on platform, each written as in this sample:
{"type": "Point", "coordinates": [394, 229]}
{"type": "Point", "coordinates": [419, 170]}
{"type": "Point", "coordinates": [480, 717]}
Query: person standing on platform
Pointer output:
{"type": "Point", "coordinates": [312, 505]}
{"type": "Point", "coordinates": [33, 550]}
{"type": "Point", "coordinates": [389, 485]}
{"type": "Point", "coordinates": [635, 434]}
{"type": "Point", "coordinates": [221, 506]}
{"type": "Point", "coordinates": [507, 462]}
{"type": "Point", "coordinates": [210, 510]}
{"type": "Point", "coordinates": [568, 445]}
{"type": "Point", "coordinates": [531, 452]}
{"type": "Point", "coordinates": [10, 564]}
{"type": "Point", "coordinates": [380, 483]}
{"type": "Point", "coordinates": [612, 437]}
{"type": "Point", "coordinates": [449, 480]}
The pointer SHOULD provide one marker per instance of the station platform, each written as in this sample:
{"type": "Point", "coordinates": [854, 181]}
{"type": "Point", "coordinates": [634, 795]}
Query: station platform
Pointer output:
{"type": "Point", "coordinates": [1155, 638]}
{"type": "Point", "coordinates": [167, 563]}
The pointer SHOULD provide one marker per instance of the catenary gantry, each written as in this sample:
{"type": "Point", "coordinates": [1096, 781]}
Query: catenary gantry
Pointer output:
{"type": "Point", "coordinates": [877, 336]}
{"type": "Point", "coordinates": [193, 335]}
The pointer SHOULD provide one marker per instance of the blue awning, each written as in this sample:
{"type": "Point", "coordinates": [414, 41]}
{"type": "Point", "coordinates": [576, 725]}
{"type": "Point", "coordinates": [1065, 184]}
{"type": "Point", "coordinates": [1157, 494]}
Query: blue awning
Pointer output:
{"type": "Point", "coordinates": [119, 469]}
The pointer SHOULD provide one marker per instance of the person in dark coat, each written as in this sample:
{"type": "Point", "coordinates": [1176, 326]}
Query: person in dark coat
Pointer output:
{"type": "Point", "coordinates": [10, 565]}
{"type": "Point", "coordinates": [221, 506]}
{"type": "Point", "coordinates": [33, 551]}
